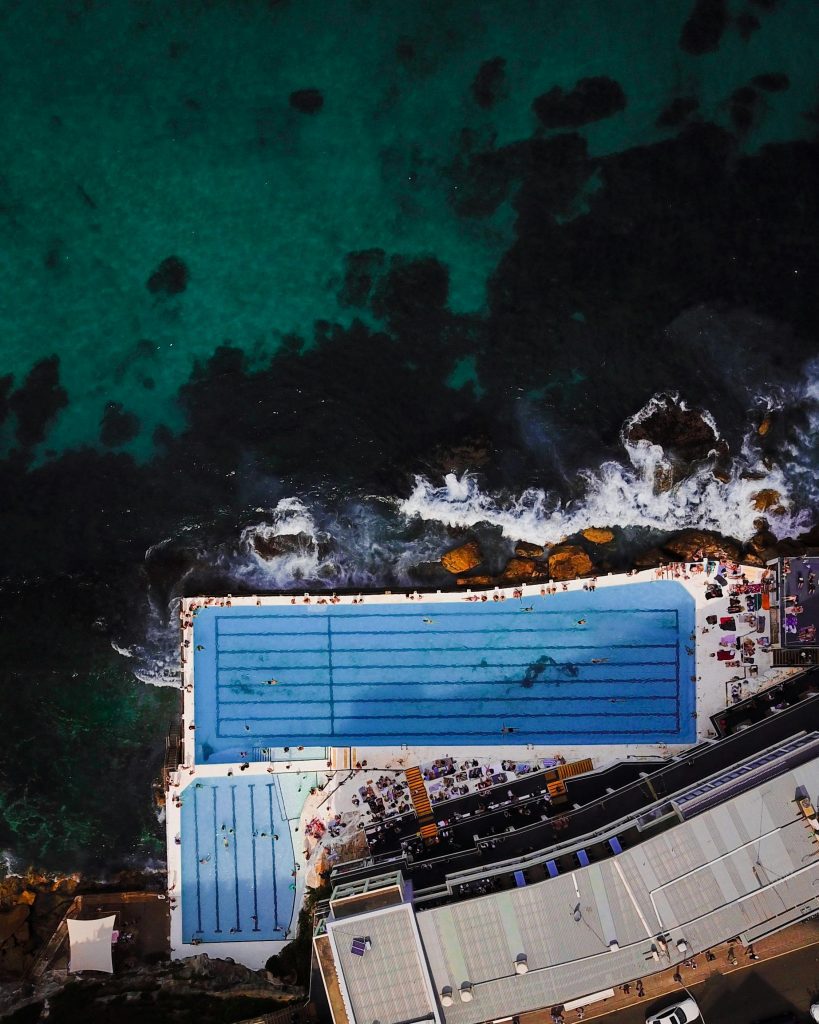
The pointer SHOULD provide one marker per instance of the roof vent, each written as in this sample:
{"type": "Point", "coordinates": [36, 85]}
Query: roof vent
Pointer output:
{"type": "Point", "coordinates": [466, 992]}
{"type": "Point", "coordinates": [446, 995]}
{"type": "Point", "coordinates": [521, 964]}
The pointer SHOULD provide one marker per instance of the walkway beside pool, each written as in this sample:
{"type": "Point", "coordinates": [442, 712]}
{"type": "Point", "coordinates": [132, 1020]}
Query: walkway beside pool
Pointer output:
{"type": "Point", "coordinates": [583, 668]}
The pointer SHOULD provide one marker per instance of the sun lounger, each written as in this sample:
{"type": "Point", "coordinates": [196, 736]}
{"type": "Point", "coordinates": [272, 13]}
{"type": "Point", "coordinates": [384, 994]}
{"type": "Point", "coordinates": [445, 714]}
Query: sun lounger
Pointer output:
{"type": "Point", "coordinates": [551, 867]}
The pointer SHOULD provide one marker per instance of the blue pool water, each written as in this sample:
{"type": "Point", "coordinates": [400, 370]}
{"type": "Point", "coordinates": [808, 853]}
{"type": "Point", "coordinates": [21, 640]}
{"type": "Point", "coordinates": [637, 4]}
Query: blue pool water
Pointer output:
{"type": "Point", "coordinates": [236, 881]}
{"type": "Point", "coordinates": [608, 666]}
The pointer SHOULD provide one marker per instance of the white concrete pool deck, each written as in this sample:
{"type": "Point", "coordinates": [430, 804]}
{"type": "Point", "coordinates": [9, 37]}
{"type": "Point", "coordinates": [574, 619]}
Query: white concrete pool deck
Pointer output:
{"type": "Point", "coordinates": [337, 771]}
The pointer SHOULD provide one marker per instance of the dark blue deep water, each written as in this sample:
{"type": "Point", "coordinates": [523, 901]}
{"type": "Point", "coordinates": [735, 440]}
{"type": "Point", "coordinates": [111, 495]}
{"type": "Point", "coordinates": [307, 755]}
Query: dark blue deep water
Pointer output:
{"type": "Point", "coordinates": [364, 276]}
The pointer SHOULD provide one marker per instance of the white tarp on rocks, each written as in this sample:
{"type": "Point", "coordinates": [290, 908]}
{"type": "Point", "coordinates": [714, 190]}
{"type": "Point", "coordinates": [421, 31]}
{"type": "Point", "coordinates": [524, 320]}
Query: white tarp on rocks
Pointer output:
{"type": "Point", "coordinates": [91, 944]}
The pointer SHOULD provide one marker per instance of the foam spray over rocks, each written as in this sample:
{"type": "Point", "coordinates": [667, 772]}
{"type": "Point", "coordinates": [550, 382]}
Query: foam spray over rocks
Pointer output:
{"type": "Point", "coordinates": [647, 490]}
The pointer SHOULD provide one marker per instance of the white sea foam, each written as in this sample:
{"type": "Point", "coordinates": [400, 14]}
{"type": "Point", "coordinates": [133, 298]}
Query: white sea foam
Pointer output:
{"type": "Point", "coordinates": [290, 517]}
{"type": "Point", "coordinates": [623, 494]}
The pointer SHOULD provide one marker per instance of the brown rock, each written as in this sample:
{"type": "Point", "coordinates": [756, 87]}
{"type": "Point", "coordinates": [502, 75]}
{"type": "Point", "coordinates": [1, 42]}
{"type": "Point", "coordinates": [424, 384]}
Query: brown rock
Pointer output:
{"type": "Point", "coordinates": [723, 468]}
{"type": "Point", "coordinates": [463, 558]}
{"type": "Point", "coordinates": [523, 549]}
{"type": "Point", "coordinates": [683, 546]}
{"type": "Point", "coordinates": [766, 498]}
{"type": "Point", "coordinates": [281, 544]}
{"type": "Point", "coordinates": [569, 562]}
{"type": "Point", "coordinates": [27, 897]}
{"type": "Point", "coordinates": [763, 543]}
{"type": "Point", "coordinates": [12, 920]}
{"type": "Point", "coordinates": [476, 581]}
{"type": "Point", "coordinates": [682, 433]}
{"type": "Point", "coordinates": [598, 536]}
{"type": "Point", "coordinates": [649, 559]}
{"type": "Point", "coordinates": [764, 426]}
{"type": "Point", "coordinates": [521, 570]}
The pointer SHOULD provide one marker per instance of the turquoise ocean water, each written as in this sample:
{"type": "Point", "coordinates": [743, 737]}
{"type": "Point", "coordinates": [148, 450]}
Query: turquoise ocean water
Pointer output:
{"type": "Point", "coordinates": [136, 131]}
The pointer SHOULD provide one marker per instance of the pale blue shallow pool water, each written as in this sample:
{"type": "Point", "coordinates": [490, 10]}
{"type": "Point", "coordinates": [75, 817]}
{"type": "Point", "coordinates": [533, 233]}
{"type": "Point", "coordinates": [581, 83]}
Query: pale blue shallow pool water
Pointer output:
{"type": "Point", "coordinates": [237, 859]}
{"type": "Point", "coordinates": [608, 666]}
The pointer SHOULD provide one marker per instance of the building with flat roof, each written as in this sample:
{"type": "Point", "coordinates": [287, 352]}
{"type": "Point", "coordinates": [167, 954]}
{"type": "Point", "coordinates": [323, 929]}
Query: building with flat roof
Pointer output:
{"type": "Point", "coordinates": [741, 859]}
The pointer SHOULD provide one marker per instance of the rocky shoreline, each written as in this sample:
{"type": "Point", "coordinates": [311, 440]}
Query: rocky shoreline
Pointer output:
{"type": "Point", "coordinates": [32, 907]}
{"type": "Point", "coordinates": [597, 551]}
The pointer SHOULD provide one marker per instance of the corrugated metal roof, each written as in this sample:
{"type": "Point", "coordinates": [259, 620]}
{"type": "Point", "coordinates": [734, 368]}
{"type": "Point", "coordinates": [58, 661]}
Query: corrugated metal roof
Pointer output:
{"type": "Point", "coordinates": [389, 983]}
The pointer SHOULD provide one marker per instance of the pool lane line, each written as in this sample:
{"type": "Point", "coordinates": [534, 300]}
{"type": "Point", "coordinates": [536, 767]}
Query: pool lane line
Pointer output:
{"type": "Point", "coordinates": [256, 927]}
{"type": "Point", "coordinates": [445, 717]}
{"type": "Point", "coordinates": [218, 929]}
{"type": "Point", "coordinates": [530, 698]}
{"type": "Point", "coordinates": [273, 855]}
{"type": "Point", "coordinates": [415, 612]}
{"type": "Point", "coordinates": [196, 847]}
{"type": "Point", "coordinates": [237, 688]}
{"type": "Point", "coordinates": [235, 855]}
{"type": "Point", "coordinates": [301, 649]}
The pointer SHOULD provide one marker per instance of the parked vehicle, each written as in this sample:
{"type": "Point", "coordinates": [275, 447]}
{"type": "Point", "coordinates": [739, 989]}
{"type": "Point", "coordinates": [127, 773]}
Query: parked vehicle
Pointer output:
{"type": "Point", "coordinates": [682, 1012]}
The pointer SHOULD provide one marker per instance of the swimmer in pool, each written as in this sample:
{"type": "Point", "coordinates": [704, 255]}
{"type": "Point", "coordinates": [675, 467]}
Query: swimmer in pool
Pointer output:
{"type": "Point", "coordinates": [599, 661]}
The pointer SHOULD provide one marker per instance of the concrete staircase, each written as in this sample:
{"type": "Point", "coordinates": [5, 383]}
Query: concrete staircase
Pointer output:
{"type": "Point", "coordinates": [420, 802]}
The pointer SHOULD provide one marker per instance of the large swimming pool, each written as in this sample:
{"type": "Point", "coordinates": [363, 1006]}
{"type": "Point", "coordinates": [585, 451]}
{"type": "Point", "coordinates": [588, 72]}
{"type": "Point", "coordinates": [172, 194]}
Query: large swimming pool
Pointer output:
{"type": "Point", "coordinates": [583, 668]}
{"type": "Point", "coordinates": [237, 859]}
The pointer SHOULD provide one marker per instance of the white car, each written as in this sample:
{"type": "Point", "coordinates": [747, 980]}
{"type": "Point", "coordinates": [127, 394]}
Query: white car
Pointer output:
{"type": "Point", "coordinates": [682, 1012]}
{"type": "Point", "coordinates": [814, 1011]}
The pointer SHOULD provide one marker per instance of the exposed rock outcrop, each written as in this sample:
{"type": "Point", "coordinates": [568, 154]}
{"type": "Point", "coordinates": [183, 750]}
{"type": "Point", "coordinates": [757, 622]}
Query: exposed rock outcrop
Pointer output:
{"type": "Point", "coordinates": [569, 561]}
{"type": "Point", "coordinates": [523, 570]}
{"type": "Point", "coordinates": [596, 535]}
{"type": "Point", "coordinates": [766, 499]}
{"type": "Point", "coordinates": [686, 545]}
{"type": "Point", "coordinates": [523, 549]}
{"type": "Point", "coordinates": [166, 990]}
{"type": "Point", "coordinates": [683, 434]}
{"type": "Point", "coordinates": [463, 558]}
{"type": "Point", "coordinates": [281, 544]}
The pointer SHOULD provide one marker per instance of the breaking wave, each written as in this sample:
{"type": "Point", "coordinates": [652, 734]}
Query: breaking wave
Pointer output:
{"type": "Point", "coordinates": [639, 492]}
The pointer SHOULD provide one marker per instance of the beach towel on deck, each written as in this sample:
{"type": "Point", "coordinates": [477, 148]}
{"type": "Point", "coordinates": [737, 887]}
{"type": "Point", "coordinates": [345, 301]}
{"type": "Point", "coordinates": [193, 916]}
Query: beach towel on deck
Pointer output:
{"type": "Point", "coordinates": [724, 656]}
